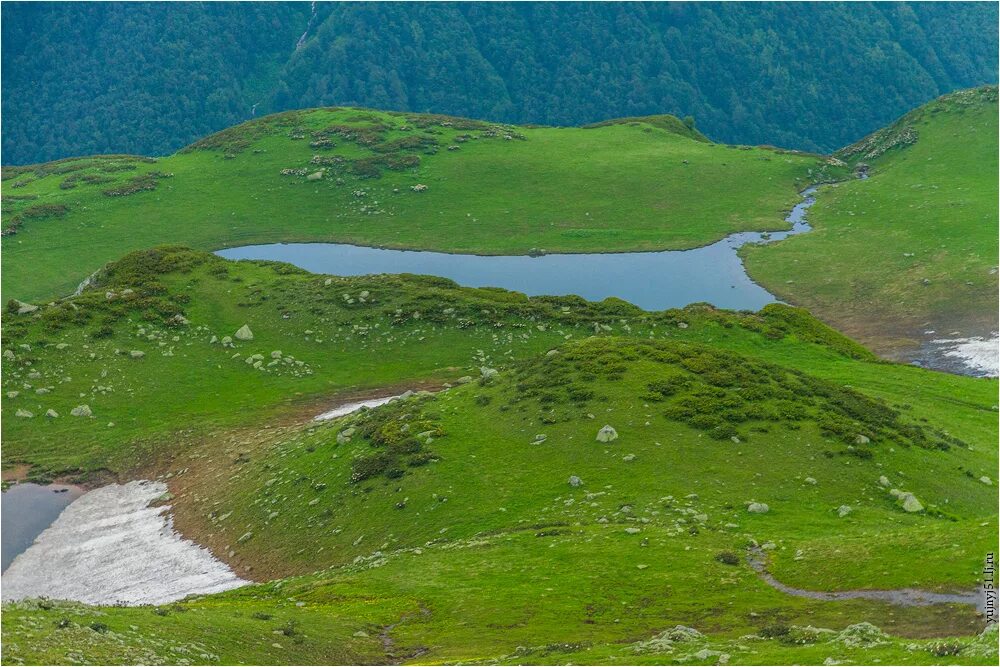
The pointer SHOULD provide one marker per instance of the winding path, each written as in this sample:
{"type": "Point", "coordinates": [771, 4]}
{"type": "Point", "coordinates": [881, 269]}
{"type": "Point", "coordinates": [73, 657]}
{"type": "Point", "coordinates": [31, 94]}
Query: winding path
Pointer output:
{"type": "Point", "coordinates": [905, 597]}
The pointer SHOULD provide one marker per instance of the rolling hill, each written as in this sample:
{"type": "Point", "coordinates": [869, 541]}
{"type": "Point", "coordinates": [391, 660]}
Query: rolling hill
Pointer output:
{"type": "Point", "coordinates": [489, 520]}
{"type": "Point", "coordinates": [396, 180]}
{"type": "Point", "coordinates": [884, 262]}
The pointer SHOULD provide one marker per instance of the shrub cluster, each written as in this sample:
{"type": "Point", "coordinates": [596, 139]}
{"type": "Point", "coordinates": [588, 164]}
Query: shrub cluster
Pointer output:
{"type": "Point", "coordinates": [397, 432]}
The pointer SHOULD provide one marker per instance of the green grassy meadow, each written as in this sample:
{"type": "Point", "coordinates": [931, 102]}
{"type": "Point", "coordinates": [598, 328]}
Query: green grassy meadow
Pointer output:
{"type": "Point", "coordinates": [913, 247]}
{"type": "Point", "coordinates": [481, 520]}
{"type": "Point", "coordinates": [639, 185]}
{"type": "Point", "coordinates": [445, 528]}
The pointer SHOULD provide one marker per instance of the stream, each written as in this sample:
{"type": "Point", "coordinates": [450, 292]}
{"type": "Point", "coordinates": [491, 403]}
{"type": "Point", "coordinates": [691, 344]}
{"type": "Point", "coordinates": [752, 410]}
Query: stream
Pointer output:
{"type": "Point", "coordinates": [905, 597]}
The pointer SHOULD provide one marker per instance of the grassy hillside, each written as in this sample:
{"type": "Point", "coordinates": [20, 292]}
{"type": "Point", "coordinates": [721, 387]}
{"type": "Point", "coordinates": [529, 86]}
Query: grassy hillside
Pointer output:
{"type": "Point", "coordinates": [486, 522]}
{"type": "Point", "coordinates": [914, 247]}
{"type": "Point", "coordinates": [357, 176]}
{"type": "Point", "coordinates": [337, 336]}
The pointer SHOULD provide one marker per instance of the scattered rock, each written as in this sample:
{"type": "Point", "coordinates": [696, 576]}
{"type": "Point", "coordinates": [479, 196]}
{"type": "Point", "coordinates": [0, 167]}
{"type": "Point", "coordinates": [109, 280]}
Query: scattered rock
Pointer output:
{"type": "Point", "coordinates": [8, 355]}
{"type": "Point", "coordinates": [844, 510]}
{"type": "Point", "coordinates": [628, 458]}
{"type": "Point", "coordinates": [986, 480]}
{"type": "Point", "coordinates": [810, 480]}
{"type": "Point", "coordinates": [758, 508]}
{"type": "Point", "coordinates": [21, 412]}
{"type": "Point", "coordinates": [243, 333]}
{"type": "Point", "coordinates": [607, 434]}
{"type": "Point", "coordinates": [883, 481]}
{"type": "Point", "coordinates": [861, 439]}
{"type": "Point", "coordinates": [25, 308]}
{"type": "Point", "coordinates": [137, 354]}
{"type": "Point", "coordinates": [911, 504]}
{"type": "Point", "coordinates": [575, 481]}
{"type": "Point", "coordinates": [82, 411]}
{"type": "Point", "coordinates": [861, 635]}
{"type": "Point", "coordinates": [51, 413]}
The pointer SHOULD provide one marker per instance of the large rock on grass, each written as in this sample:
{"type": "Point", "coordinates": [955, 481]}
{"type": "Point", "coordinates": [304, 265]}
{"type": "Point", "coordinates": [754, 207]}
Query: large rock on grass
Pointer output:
{"type": "Point", "coordinates": [607, 434]}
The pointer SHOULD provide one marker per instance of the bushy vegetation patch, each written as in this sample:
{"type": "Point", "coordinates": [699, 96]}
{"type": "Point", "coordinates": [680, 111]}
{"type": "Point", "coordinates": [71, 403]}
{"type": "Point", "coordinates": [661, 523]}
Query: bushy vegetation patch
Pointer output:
{"type": "Point", "coordinates": [719, 392]}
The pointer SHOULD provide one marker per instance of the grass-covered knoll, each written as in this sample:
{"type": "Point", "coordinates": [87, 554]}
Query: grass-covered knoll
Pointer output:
{"type": "Point", "coordinates": [914, 247]}
{"type": "Point", "coordinates": [150, 349]}
{"type": "Point", "coordinates": [399, 180]}
{"type": "Point", "coordinates": [463, 525]}
{"type": "Point", "coordinates": [737, 429]}
{"type": "Point", "coordinates": [492, 525]}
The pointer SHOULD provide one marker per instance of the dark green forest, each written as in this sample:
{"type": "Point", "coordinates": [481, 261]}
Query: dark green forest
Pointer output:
{"type": "Point", "coordinates": [149, 78]}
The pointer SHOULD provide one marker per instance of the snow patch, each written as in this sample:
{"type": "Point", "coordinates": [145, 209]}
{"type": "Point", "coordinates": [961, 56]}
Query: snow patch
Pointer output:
{"type": "Point", "coordinates": [110, 547]}
{"type": "Point", "coordinates": [348, 408]}
{"type": "Point", "coordinates": [980, 355]}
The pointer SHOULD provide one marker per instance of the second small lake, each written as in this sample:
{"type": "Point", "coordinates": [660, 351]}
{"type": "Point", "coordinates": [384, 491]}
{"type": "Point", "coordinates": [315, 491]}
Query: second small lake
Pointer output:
{"type": "Point", "coordinates": [650, 280]}
{"type": "Point", "coordinates": [28, 509]}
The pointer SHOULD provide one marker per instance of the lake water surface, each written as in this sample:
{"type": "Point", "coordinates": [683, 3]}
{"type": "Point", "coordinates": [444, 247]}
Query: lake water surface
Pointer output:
{"type": "Point", "coordinates": [650, 280]}
{"type": "Point", "coordinates": [28, 509]}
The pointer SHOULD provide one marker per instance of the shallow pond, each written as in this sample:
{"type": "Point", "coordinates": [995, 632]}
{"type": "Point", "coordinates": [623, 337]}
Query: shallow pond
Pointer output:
{"type": "Point", "coordinates": [28, 509]}
{"type": "Point", "coordinates": [650, 280]}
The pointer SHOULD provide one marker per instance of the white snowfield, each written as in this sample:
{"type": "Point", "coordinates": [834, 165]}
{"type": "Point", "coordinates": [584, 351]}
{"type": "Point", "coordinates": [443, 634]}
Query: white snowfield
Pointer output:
{"type": "Point", "coordinates": [980, 355]}
{"type": "Point", "coordinates": [110, 547]}
{"type": "Point", "coordinates": [348, 408]}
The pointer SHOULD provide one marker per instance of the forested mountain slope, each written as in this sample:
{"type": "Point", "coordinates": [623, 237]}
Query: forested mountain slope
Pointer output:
{"type": "Point", "coordinates": [149, 78]}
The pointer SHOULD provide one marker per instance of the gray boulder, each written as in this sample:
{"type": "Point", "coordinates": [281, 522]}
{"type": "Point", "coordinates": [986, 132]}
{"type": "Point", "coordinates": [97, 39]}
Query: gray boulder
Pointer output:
{"type": "Point", "coordinates": [82, 411]}
{"type": "Point", "coordinates": [243, 333]}
{"type": "Point", "coordinates": [607, 434]}
{"type": "Point", "coordinates": [25, 308]}
{"type": "Point", "coordinates": [911, 504]}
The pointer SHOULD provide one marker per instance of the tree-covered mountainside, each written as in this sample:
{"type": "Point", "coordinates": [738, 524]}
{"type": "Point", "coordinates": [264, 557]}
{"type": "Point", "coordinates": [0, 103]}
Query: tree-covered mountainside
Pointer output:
{"type": "Point", "coordinates": [82, 78]}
